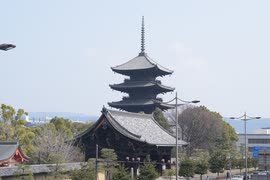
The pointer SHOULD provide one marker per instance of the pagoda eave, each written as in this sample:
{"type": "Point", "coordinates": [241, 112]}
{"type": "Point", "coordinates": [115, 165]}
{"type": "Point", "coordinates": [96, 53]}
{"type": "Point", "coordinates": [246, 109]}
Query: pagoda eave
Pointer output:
{"type": "Point", "coordinates": [152, 70]}
{"type": "Point", "coordinates": [154, 87]}
{"type": "Point", "coordinates": [128, 104]}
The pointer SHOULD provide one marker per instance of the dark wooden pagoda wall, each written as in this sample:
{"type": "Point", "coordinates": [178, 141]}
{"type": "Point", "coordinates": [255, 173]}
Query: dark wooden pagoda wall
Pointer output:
{"type": "Point", "coordinates": [106, 137]}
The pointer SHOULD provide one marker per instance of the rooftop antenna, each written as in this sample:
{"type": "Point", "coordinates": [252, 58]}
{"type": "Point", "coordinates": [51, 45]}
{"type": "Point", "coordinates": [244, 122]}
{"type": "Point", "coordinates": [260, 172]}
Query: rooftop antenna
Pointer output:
{"type": "Point", "coordinates": [142, 37]}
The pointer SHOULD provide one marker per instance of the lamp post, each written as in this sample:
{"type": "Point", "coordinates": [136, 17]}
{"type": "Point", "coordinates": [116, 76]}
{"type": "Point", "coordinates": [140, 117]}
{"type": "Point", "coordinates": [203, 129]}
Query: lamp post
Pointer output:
{"type": "Point", "coordinates": [245, 118]}
{"type": "Point", "coordinates": [176, 121]}
{"type": "Point", "coordinates": [6, 47]}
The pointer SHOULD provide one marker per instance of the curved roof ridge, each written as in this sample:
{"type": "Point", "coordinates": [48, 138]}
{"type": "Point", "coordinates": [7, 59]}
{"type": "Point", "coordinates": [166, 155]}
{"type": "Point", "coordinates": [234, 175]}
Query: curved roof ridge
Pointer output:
{"type": "Point", "coordinates": [140, 62]}
{"type": "Point", "coordinates": [157, 64]}
{"type": "Point", "coordinates": [166, 87]}
{"type": "Point", "coordinates": [130, 113]}
{"type": "Point", "coordinates": [162, 127]}
{"type": "Point", "coordinates": [165, 130]}
{"type": "Point", "coordinates": [120, 128]}
{"type": "Point", "coordinates": [139, 127]}
{"type": "Point", "coordinates": [147, 66]}
{"type": "Point", "coordinates": [88, 129]}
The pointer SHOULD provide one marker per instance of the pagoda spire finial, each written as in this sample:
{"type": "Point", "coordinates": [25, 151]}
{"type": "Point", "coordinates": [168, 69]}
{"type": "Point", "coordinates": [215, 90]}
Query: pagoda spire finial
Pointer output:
{"type": "Point", "coordinates": [142, 38]}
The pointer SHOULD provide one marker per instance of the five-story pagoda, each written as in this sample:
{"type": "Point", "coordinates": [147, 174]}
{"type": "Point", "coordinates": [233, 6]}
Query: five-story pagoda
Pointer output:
{"type": "Point", "coordinates": [142, 85]}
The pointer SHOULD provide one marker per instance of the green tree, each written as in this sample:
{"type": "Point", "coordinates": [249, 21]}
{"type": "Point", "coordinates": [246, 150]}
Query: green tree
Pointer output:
{"type": "Point", "coordinates": [187, 168]}
{"type": "Point", "coordinates": [58, 168]}
{"type": "Point", "coordinates": [201, 168]}
{"type": "Point", "coordinates": [201, 158]}
{"type": "Point", "coordinates": [85, 173]}
{"type": "Point", "coordinates": [205, 129]}
{"type": "Point", "coordinates": [240, 164]}
{"type": "Point", "coordinates": [147, 172]}
{"type": "Point", "coordinates": [10, 119]}
{"type": "Point", "coordinates": [217, 162]}
{"type": "Point", "coordinates": [228, 139]}
{"type": "Point", "coordinates": [120, 173]}
{"type": "Point", "coordinates": [200, 127]}
{"type": "Point", "coordinates": [78, 127]}
{"type": "Point", "coordinates": [63, 125]}
{"type": "Point", "coordinates": [160, 118]}
{"type": "Point", "coordinates": [12, 128]}
{"type": "Point", "coordinates": [169, 173]}
{"type": "Point", "coordinates": [254, 162]}
{"type": "Point", "coordinates": [109, 155]}
{"type": "Point", "coordinates": [9, 115]}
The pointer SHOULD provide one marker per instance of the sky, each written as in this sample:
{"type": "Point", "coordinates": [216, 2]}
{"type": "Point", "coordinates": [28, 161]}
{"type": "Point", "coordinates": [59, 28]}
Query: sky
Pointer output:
{"type": "Point", "coordinates": [219, 51]}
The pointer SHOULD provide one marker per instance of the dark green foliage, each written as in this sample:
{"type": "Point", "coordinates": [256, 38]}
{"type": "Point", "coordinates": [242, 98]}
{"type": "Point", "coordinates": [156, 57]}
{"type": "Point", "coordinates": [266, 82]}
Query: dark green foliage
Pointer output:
{"type": "Point", "coordinates": [169, 172]}
{"type": "Point", "coordinates": [159, 117]}
{"type": "Point", "coordinates": [201, 168]}
{"type": "Point", "coordinates": [240, 164]}
{"type": "Point", "coordinates": [148, 172]}
{"type": "Point", "coordinates": [12, 127]}
{"type": "Point", "coordinates": [187, 168]}
{"type": "Point", "coordinates": [120, 173]}
{"type": "Point", "coordinates": [78, 127]}
{"type": "Point", "coordinates": [254, 162]}
{"type": "Point", "coordinates": [109, 155]}
{"type": "Point", "coordinates": [68, 127]}
{"type": "Point", "coordinates": [63, 125]}
{"type": "Point", "coordinates": [87, 172]}
{"type": "Point", "coordinates": [217, 162]}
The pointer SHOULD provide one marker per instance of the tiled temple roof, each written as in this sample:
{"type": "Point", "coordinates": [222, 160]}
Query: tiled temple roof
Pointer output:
{"type": "Point", "coordinates": [141, 62]}
{"type": "Point", "coordinates": [139, 127]}
{"type": "Point", "coordinates": [8, 149]}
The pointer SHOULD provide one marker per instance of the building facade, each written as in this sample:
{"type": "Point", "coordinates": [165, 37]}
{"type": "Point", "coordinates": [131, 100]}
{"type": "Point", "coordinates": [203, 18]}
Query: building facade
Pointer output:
{"type": "Point", "coordinates": [253, 140]}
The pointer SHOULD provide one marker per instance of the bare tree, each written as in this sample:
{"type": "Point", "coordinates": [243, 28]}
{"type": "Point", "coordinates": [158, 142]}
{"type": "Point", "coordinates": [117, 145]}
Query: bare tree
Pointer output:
{"type": "Point", "coordinates": [54, 146]}
{"type": "Point", "coordinates": [199, 127]}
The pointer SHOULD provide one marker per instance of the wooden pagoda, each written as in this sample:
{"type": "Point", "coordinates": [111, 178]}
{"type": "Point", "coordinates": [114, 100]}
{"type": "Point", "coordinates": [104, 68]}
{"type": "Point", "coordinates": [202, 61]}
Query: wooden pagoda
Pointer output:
{"type": "Point", "coordinates": [142, 86]}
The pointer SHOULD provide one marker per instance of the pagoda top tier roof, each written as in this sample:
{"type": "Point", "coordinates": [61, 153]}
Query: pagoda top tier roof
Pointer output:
{"type": "Point", "coordinates": [139, 63]}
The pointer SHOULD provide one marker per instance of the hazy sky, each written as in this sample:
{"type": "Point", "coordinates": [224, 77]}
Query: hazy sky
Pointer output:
{"type": "Point", "coordinates": [219, 51]}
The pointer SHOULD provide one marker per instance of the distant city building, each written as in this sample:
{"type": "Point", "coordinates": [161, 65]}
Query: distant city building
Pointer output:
{"type": "Point", "coordinates": [142, 86]}
{"type": "Point", "coordinates": [265, 130]}
{"type": "Point", "coordinates": [253, 140]}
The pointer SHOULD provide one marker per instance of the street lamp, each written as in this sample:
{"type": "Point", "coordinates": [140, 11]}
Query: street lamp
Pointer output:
{"type": "Point", "coordinates": [245, 118]}
{"type": "Point", "coordinates": [6, 47]}
{"type": "Point", "coordinates": [176, 128]}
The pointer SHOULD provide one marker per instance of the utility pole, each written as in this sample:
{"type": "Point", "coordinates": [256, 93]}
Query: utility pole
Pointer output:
{"type": "Point", "coordinates": [96, 161]}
